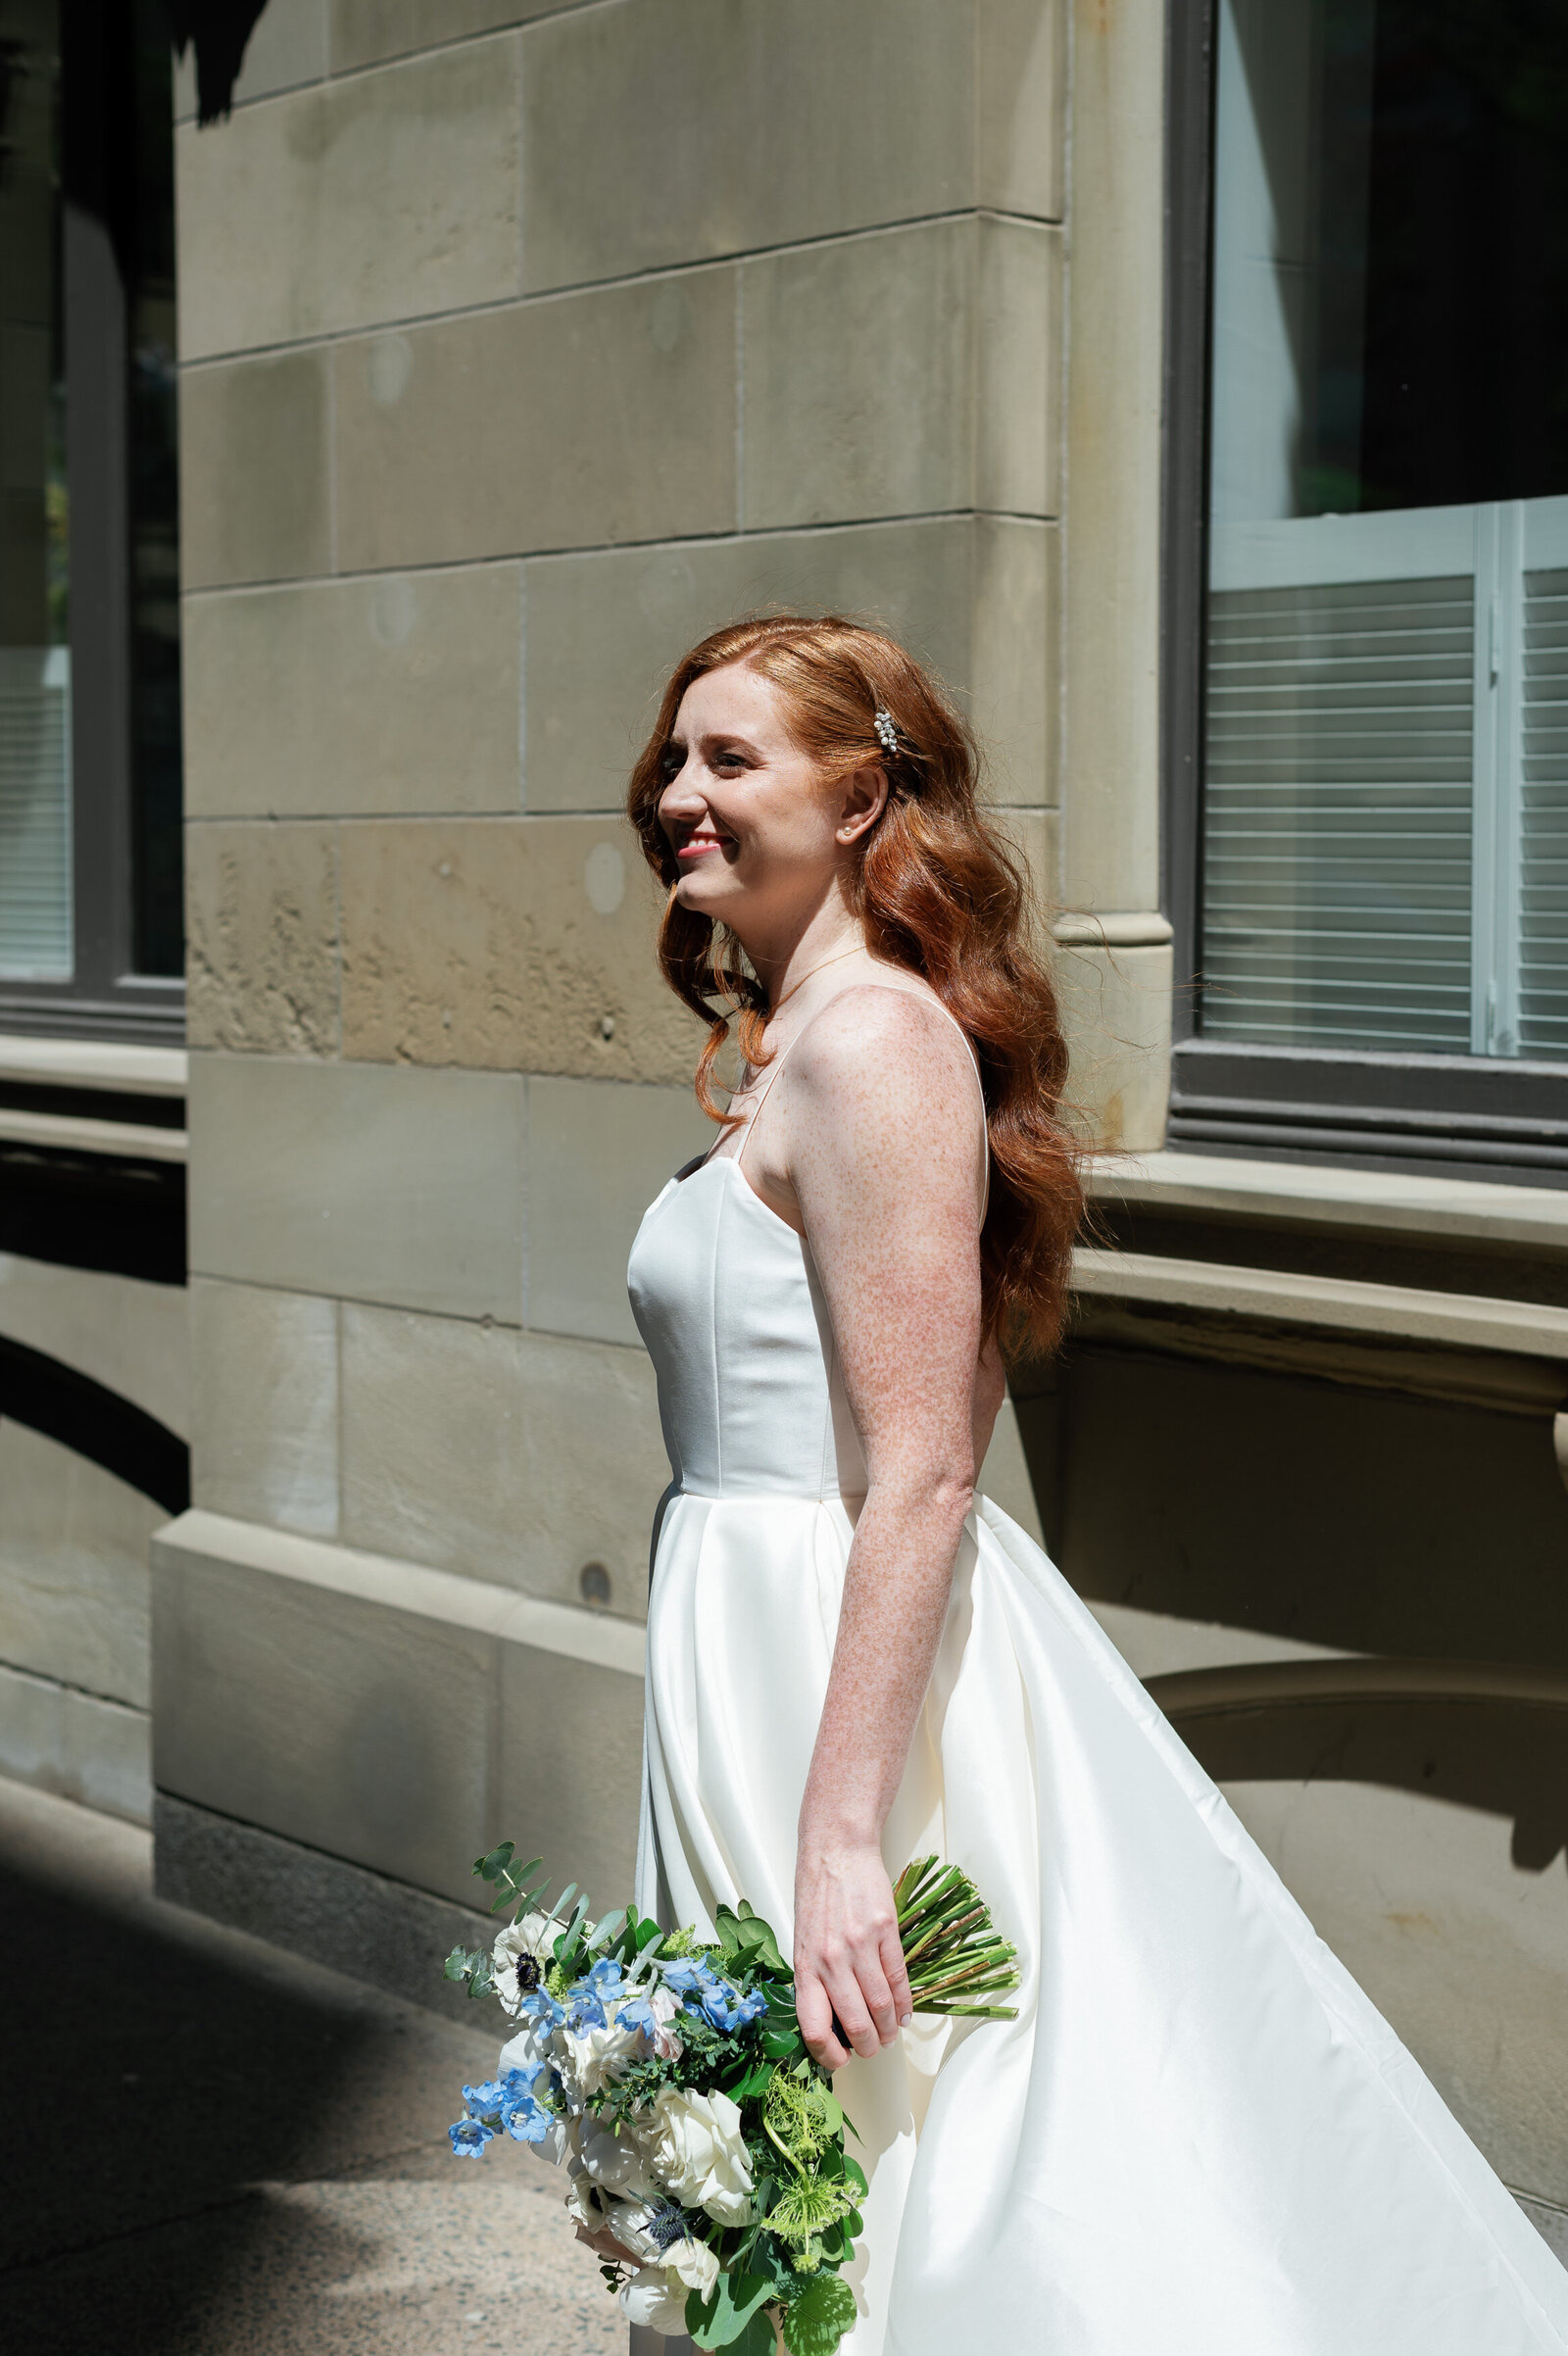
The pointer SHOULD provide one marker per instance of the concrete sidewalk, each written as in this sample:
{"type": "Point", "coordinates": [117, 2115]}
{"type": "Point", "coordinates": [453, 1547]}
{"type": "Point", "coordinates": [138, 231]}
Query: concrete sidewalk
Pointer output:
{"type": "Point", "coordinates": [215, 2149]}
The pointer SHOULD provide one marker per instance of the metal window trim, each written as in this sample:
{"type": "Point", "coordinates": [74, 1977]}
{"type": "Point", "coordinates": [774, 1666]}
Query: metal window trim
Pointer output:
{"type": "Point", "coordinates": [1225, 1099]}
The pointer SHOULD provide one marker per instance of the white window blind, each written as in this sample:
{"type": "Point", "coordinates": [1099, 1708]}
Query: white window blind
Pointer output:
{"type": "Point", "coordinates": [1386, 796]}
{"type": "Point", "coordinates": [36, 900]}
{"type": "Point", "coordinates": [1543, 848]}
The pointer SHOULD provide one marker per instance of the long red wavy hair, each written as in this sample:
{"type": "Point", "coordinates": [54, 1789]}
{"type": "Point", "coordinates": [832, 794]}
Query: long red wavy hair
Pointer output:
{"type": "Point", "coordinates": [938, 890]}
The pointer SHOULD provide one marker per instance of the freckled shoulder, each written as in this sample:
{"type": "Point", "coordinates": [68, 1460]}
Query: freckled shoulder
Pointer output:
{"type": "Point", "coordinates": [880, 1043]}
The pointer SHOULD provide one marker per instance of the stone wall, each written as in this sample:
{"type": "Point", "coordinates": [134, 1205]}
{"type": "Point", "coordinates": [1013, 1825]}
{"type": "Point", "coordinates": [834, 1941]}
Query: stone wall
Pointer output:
{"type": "Point", "coordinates": [520, 348]}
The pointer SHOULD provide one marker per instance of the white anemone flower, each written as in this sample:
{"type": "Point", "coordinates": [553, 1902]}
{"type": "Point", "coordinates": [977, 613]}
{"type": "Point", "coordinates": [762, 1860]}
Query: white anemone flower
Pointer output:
{"type": "Point", "coordinates": [657, 2300]}
{"type": "Point", "coordinates": [530, 1939]}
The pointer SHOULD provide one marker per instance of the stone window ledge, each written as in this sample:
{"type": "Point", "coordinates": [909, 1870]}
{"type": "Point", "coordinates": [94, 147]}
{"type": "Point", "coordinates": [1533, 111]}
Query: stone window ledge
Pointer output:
{"type": "Point", "coordinates": [1325, 1197]}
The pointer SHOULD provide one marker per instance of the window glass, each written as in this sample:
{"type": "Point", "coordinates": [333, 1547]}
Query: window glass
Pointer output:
{"type": "Point", "coordinates": [36, 829]}
{"type": "Point", "coordinates": [1385, 791]}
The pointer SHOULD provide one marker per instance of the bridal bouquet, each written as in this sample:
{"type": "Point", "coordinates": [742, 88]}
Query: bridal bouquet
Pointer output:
{"type": "Point", "coordinates": [704, 2148]}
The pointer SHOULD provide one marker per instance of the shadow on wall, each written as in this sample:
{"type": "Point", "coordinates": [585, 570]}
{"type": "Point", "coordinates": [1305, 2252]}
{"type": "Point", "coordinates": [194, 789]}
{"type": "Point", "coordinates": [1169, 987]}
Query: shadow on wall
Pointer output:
{"type": "Point", "coordinates": [217, 30]}
{"type": "Point", "coordinates": [1354, 1520]}
{"type": "Point", "coordinates": [1510, 1758]}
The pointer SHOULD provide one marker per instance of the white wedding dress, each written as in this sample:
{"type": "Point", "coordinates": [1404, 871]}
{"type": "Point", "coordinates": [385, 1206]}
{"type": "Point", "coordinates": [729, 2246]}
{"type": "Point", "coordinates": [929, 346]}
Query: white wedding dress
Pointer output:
{"type": "Point", "coordinates": [1198, 2138]}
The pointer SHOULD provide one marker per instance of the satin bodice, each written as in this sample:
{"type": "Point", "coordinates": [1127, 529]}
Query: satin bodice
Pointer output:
{"type": "Point", "coordinates": [728, 1302]}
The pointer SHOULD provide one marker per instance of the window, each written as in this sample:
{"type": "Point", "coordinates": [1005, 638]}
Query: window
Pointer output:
{"type": "Point", "coordinates": [91, 933]}
{"type": "Point", "coordinates": [1381, 921]}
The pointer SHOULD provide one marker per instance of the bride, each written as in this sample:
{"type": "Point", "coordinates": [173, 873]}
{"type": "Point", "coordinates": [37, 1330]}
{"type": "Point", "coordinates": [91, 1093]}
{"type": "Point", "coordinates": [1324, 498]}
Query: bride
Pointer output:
{"type": "Point", "coordinates": [1197, 2137]}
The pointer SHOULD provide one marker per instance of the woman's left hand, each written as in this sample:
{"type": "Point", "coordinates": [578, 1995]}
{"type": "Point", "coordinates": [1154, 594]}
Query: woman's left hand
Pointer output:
{"type": "Point", "coordinates": [849, 1961]}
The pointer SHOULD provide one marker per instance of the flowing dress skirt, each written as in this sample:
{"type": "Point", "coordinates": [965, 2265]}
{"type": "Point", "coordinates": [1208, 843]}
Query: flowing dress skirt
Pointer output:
{"type": "Point", "coordinates": [1198, 2138]}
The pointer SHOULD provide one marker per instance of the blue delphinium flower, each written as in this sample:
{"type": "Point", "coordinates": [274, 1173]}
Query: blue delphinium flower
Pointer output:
{"type": "Point", "coordinates": [469, 2137]}
{"type": "Point", "coordinates": [584, 2011]}
{"type": "Point", "coordinates": [484, 2101]}
{"type": "Point", "coordinates": [705, 1991]}
{"type": "Point", "coordinates": [725, 2005]}
{"type": "Point", "coordinates": [637, 2014]}
{"type": "Point", "coordinates": [541, 2008]}
{"type": "Point", "coordinates": [525, 2119]}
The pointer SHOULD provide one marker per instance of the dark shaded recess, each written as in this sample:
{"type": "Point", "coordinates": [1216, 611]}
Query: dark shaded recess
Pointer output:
{"type": "Point", "coordinates": [1504, 1274]}
{"type": "Point", "coordinates": [94, 1422]}
{"type": "Point", "coordinates": [1362, 1520]}
{"type": "Point", "coordinates": [206, 2079]}
{"type": "Point", "coordinates": [1507, 1758]}
{"type": "Point", "coordinates": [217, 30]}
{"type": "Point", "coordinates": [94, 1104]}
{"type": "Point", "coordinates": [94, 1210]}
{"type": "Point", "coordinates": [1465, 387]}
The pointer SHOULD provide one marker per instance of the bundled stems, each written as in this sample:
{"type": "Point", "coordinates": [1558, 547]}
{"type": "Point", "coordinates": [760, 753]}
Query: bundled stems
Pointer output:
{"type": "Point", "coordinates": [951, 1950]}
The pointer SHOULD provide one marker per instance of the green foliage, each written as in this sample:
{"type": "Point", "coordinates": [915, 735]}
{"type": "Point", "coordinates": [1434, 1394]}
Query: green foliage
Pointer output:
{"type": "Point", "coordinates": [723, 2318]}
{"type": "Point", "coordinates": [810, 2210]}
{"type": "Point", "coordinates": [472, 1965]}
{"type": "Point", "coordinates": [807, 2189]}
{"type": "Point", "coordinates": [511, 1883]}
{"type": "Point", "coordinates": [814, 2324]}
{"type": "Point", "coordinates": [746, 1944]}
{"type": "Point", "coordinates": [801, 2116]}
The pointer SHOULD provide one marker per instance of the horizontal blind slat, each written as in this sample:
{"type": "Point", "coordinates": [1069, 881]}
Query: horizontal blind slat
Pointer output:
{"type": "Point", "coordinates": [1337, 815]}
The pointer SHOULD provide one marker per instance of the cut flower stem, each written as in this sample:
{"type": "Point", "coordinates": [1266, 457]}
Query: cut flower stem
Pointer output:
{"type": "Point", "coordinates": [951, 1949]}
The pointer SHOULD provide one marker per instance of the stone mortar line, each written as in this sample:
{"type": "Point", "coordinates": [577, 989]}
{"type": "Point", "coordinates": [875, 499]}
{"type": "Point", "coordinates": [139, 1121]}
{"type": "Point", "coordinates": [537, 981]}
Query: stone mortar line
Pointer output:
{"type": "Point", "coordinates": [332, 339]}
{"type": "Point", "coordinates": [606, 548]}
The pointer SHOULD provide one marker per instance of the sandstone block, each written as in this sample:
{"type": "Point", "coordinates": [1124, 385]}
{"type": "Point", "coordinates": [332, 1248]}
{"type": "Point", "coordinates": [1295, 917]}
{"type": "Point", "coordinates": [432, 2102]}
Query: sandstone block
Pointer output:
{"type": "Point", "coordinates": [509, 943]}
{"type": "Point", "coordinates": [513, 430]}
{"type": "Point", "coordinates": [974, 596]}
{"type": "Point", "coordinates": [687, 128]}
{"type": "Point", "coordinates": [262, 955]}
{"type": "Point", "coordinates": [265, 1443]}
{"type": "Point", "coordinates": [905, 373]}
{"type": "Point", "coordinates": [73, 1568]}
{"type": "Point", "coordinates": [400, 693]}
{"type": "Point", "coordinates": [513, 1457]}
{"type": "Point", "coordinates": [254, 502]}
{"type": "Point", "coordinates": [360, 1180]}
{"type": "Point", "coordinates": [597, 1156]}
{"type": "Point", "coordinates": [364, 31]}
{"type": "Point", "coordinates": [386, 196]}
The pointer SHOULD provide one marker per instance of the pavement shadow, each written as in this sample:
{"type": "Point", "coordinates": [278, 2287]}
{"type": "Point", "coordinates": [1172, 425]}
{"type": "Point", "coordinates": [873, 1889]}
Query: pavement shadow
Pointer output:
{"type": "Point", "coordinates": [152, 2080]}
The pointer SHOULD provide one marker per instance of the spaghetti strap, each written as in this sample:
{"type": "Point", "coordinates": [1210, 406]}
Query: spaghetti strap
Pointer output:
{"type": "Point", "coordinates": [925, 997]}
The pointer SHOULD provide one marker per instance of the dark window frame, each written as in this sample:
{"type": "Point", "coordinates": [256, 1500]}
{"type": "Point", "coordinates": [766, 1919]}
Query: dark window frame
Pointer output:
{"type": "Point", "coordinates": [106, 998]}
{"type": "Point", "coordinates": [1450, 1115]}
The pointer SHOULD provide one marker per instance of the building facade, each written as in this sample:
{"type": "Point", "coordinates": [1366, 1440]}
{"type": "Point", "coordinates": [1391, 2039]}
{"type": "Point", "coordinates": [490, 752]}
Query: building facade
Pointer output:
{"type": "Point", "coordinates": [516, 348]}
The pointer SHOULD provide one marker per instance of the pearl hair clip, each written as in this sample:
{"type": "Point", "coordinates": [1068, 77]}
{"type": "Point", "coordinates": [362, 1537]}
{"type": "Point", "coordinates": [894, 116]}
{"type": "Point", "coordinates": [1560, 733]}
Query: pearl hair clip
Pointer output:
{"type": "Point", "coordinates": [887, 735]}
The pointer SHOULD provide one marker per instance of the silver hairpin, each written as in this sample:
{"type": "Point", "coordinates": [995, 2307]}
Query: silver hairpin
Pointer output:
{"type": "Point", "coordinates": [887, 735]}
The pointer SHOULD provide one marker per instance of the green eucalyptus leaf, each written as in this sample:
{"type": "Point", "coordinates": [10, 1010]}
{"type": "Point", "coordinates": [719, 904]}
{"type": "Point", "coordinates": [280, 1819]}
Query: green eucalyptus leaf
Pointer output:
{"type": "Point", "coordinates": [855, 2174]}
{"type": "Point", "coordinates": [724, 2319]}
{"type": "Point", "coordinates": [816, 2323]}
{"type": "Point", "coordinates": [492, 1867]}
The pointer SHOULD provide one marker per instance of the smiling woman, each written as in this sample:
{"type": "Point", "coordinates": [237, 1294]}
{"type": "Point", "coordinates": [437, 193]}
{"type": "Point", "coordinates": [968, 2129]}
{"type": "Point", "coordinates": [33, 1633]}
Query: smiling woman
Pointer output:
{"type": "Point", "coordinates": [768, 771]}
{"type": "Point", "coordinates": [1196, 2133]}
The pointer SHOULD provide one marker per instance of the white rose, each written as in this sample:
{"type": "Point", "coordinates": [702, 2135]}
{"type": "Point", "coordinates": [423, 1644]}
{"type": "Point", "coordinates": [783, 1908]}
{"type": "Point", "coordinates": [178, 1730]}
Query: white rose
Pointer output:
{"type": "Point", "coordinates": [656, 2300]}
{"type": "Point", "coordinates": [619, 2163]}
{"type": "Point", "coordinates": [533, 1936]}
{"type": "Point", "coordinates": [696, 2150]}
{"type": "Point", "coordinates": [592, 2061]}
